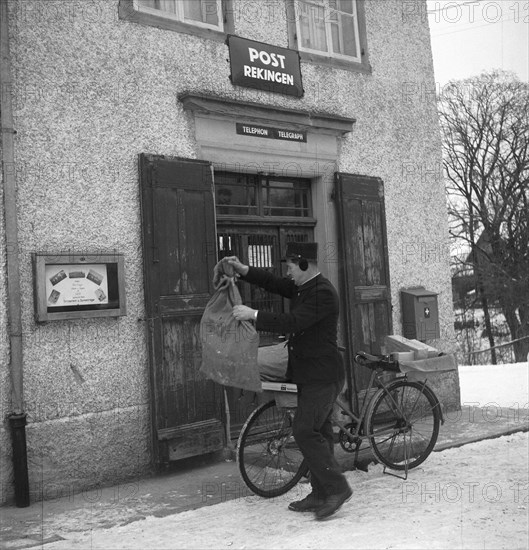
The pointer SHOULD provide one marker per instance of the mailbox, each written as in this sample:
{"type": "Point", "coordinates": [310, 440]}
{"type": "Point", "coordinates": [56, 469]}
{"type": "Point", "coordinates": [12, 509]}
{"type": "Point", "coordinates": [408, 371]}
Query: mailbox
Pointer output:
{"type": "Point", "coordinates": [420, 314]}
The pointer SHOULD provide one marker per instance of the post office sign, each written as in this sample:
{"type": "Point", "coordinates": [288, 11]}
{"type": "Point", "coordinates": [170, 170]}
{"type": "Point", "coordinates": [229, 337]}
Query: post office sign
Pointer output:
{"type": "Point", "coordinates": [264, 66]}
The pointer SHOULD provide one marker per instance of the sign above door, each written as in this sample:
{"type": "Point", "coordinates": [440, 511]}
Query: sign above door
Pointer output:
{"type": "Point", "coordinates": [270, 133]}
{"type": "Point", "coordinates": [264, 66]}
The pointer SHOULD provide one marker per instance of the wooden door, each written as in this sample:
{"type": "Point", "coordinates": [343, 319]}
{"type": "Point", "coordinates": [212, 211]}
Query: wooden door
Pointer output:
{"type": "Point", "coordinates": [179, 246]}
{"type": "Point", "coordinates": [364, 268]}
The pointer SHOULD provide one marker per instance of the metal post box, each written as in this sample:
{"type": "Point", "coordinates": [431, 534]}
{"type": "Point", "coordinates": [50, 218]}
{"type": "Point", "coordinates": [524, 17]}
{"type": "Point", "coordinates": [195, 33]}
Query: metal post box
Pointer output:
{"type": "Point", "coordinates": [420, 314]}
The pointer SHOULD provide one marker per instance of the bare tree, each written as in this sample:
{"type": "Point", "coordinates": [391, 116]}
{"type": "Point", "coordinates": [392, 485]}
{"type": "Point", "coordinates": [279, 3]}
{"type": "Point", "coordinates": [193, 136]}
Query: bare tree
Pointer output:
{"type": "Point", "coordinates": [485, 126]}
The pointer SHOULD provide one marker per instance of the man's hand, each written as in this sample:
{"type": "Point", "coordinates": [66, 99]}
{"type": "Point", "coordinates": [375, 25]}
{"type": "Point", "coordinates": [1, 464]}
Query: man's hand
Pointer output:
{"type": "Point", "coordinates": [243, 313]}
{"type": "Point", "coordinates": [237, 265]}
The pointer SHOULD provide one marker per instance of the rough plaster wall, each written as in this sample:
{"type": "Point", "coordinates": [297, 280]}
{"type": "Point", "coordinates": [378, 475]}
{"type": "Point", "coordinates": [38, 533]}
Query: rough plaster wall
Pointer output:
{"type": "Point", "coordinates": [86, 381]}
{"type": "Point", "coordinates": [92, 92]}
{"type": "Point", "coordinates": [396, 138]}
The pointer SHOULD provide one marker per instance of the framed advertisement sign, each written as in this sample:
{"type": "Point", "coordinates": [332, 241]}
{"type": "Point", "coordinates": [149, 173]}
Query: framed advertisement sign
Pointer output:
{"type": "Point", "coordinates": [75, 286]}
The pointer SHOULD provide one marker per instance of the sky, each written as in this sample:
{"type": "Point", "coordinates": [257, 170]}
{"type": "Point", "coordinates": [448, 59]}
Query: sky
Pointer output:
{"type": "Point", "coordinates": [472, 36]}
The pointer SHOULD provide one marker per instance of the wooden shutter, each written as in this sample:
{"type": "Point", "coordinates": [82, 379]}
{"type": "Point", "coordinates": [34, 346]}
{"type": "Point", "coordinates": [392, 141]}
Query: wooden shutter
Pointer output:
{"type": "Point", "coordinates": [364, 267]}
{"type": "Point", "coordinates": [179, 256]}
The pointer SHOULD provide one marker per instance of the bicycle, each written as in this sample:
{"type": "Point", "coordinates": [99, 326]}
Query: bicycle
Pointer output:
{"type": "Point", "coordinates": [400, 420]}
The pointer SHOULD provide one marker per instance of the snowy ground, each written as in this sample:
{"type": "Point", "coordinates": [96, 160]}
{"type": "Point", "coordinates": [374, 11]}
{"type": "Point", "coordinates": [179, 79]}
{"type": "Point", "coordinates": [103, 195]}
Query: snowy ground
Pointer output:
{"type": "Point", "coordinates": [487, 384]}
{"type": "Point", "coordinates": [472, 497]}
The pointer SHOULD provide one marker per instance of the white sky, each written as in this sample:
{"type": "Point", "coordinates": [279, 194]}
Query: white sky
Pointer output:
{"type": "Point", "coordinates": [470, 36]}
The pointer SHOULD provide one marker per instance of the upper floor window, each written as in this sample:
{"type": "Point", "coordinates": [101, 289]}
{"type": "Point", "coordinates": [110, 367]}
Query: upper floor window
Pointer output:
{"type": "Point", "coordinates": [205, 18]}
{"type": "Point", "coordinates": [330, 31]}
{"type": "Point", "coordinates": [203, 13]}
{"type": "Point", "coordinates": [329, 26]}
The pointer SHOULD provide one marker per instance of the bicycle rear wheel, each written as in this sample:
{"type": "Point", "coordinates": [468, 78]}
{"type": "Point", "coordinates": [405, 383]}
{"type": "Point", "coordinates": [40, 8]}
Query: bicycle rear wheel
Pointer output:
{"type": "Point", "coordinates": [403, 424]}
{"type": "Point", "coordinates": [268, 458]}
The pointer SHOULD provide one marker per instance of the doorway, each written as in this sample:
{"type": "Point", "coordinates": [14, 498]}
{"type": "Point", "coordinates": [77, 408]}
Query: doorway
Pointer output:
{"type": "Point", "coordinates": [257, 215]}
{"type": "Point", "coordinates": [185, 232]}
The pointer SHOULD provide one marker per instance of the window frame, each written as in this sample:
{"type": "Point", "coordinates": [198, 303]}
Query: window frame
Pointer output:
{"type": "Point", "coordinates": [133, 11]}
{"type": "Point", "coordinates": [266, 186]}
{"type": "Point", "coordinates": [341, 61]}
{"type": "Point", "coordinates": [260, 205]}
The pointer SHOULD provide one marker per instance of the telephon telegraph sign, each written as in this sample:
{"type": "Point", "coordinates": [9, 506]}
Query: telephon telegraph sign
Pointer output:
{"type": "Point", "coordinates": [271, 133]}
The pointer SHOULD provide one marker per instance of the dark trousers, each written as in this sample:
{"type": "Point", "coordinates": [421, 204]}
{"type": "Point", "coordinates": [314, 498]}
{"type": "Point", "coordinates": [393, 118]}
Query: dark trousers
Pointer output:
{"type": "Point", "coordinates": [313, 433]}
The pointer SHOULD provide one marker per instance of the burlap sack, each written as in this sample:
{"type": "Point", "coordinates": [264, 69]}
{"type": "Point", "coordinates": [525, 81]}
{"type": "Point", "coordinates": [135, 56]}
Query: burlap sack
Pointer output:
{"type": "Point", "coordinates": [229, 347]}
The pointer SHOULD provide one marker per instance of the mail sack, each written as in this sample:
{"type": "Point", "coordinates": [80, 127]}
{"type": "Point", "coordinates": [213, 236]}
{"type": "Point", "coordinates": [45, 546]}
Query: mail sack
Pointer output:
{"type": "Point", "coordinates": [229, 347]}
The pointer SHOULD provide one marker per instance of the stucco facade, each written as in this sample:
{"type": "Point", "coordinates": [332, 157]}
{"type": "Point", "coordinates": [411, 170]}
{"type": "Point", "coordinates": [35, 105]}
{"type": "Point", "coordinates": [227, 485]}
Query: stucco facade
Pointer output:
{"type": "Point", "coordinates": [91, 91]}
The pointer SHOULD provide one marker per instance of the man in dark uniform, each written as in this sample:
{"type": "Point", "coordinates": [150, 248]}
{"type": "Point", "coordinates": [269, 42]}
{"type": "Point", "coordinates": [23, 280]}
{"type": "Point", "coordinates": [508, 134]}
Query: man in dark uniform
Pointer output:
{"type": "Point", "coordinates": [315, 365]}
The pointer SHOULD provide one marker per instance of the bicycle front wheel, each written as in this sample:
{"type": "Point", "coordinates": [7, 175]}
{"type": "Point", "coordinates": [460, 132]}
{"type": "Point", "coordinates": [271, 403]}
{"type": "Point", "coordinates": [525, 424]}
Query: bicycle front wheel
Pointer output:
{"type": "Point", "coordinates": [268, 458]}
{"type": "Point", "coordinates": [403, 424]}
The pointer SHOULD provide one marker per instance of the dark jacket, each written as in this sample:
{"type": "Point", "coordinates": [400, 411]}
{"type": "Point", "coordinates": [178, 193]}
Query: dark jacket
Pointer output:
{"type": "Point", "coordinates": [311, 323]}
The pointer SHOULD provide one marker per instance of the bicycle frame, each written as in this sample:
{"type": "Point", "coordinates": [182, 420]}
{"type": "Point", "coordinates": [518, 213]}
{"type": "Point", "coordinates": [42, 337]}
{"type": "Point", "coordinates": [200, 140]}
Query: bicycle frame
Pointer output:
{"type": "Point", "coordinates": [359, 417]}
{"type": "Point", "coordinates": [356, 437]}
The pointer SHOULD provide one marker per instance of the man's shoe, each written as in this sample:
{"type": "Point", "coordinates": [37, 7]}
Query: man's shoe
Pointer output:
{"type": "Point", "coordinates": [333, 503]}
{"type": "Point", "coordinates": [309, 504]}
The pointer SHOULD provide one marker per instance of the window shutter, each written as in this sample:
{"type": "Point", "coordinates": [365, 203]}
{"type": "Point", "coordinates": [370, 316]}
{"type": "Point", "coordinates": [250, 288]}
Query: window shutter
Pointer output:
{"type": "Point", "coordinates": [364, 266]}
{"type": "Point", "coordinates": [179, 257]}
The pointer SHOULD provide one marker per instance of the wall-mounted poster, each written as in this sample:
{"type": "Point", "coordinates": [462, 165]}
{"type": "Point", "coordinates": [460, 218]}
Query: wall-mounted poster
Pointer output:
{"type": "Point", "coordinates": [74, 286]}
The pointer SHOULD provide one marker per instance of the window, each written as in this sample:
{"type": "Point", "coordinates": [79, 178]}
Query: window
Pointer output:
{"type": "Point", "coordinates": [328, 26]}
{"type": "Point", "coordinates": [236, 194]}
{"type": "Point", "coordinates": [266, 196]}
{"type": "Point", "coordinates": [200, 17]}
{"type": "Point", "coordinates": [204, 13]}
{"type": "Point", "coordinates": [285, 198]}
{"type": "Point", "coordinates": [330, 30]}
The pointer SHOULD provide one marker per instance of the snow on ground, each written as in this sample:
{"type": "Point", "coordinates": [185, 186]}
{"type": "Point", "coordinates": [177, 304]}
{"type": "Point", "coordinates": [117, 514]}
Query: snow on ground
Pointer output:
{"type": "Point", "coordinates": [471, 497]}
{"type": "Point", "coordinates": [505, 385]}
